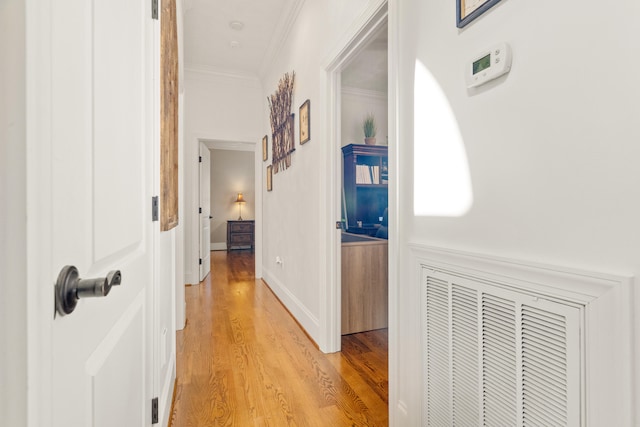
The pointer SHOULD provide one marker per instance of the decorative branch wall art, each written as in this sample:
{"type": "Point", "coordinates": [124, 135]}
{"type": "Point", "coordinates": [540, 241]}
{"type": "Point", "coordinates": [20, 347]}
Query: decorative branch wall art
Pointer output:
{"type": "Point", "coordinates": [282, 123]}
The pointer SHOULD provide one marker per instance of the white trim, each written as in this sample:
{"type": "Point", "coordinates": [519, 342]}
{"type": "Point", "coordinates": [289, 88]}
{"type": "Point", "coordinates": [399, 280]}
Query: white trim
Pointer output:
{"type": "Point", "coordinates": [364, 93]}
{"type": "Point", "coordinates": [299, 311]}
{"type": "Point", "coordinates": [398, 412]}
{"type": "Point", "coordinates": [561, 282]}
{"type": "Point", "coordinates": [228, 145]}
{"type": "Point", "coordinates": [167, 392]}
{"type": "Point", "coordinates": [204, 71]}
{"type": "Point", "coordinates": [39, 243]}
{"type": "Point", "coordinates": [218, 246]}
{"type": "Point", "coordinates": [361, 32]}
{"type": "Point", "coordinates": [608, 300]}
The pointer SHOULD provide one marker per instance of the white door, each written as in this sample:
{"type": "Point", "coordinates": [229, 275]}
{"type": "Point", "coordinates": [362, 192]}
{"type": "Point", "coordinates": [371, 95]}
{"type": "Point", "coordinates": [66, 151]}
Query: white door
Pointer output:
{"type": "Point", "coordinates": [92, 367]}
{"type": "Point", "coordinates": [205, 214]}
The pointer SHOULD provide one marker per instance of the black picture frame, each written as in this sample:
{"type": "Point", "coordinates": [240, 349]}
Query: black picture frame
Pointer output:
{"type": "Point", "coordinates": [305, 122]}
{"type": "Point", "coordinates": [464, 17]}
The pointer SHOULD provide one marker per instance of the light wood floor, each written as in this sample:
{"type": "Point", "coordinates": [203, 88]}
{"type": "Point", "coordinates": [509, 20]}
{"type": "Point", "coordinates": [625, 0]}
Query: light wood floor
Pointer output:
{"type": "Point", "coordinates": [243, 361]}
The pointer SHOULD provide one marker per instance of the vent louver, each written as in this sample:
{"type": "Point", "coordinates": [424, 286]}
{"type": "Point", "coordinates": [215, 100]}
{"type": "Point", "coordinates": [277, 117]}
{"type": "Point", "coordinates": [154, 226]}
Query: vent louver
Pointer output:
{"type": "Point", "coordinates": [498, 357]}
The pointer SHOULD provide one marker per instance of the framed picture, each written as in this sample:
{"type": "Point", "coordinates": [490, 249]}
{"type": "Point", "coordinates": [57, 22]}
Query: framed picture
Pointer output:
{"type": "Point", "coordinates": [468, 10]}
{"type": "Point", "coordinates": [265, 149]}
{"type": "Point", "coordinates": [269, 178]}
{"type": "Point", "coordinates": [305, 122]}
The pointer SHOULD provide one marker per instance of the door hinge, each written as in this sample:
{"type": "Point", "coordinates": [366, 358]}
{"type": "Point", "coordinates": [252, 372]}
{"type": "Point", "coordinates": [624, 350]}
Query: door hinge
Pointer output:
{"type": "Point", "coordinates": [154, 208]}
{"type": "Point", "coordinates": [338, 225]}
{"type": "Point", "coordinates": [200, 159]}
{"type": "Point", "coordinates": [200, 261]}
{"type": "Point", "coordinates": [199, 210]}
{"type": "Point", "coordinates": [154, 9]}
{"type": "Point", "coordinates": [154, 411]}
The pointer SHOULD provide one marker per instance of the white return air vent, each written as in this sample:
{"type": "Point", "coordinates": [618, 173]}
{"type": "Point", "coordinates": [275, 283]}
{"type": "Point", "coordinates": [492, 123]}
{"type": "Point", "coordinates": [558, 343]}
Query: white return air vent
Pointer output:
{"type": "Point", "coordinates": [495, 356]}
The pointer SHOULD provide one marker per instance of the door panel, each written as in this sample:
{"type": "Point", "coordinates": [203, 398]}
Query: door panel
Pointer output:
{"type": "Point", "coordinates": [118, 105]}
{"type": "Point", "coordinates": [101, 181]}
{"type": "Point", "coordinates": [116, 363]}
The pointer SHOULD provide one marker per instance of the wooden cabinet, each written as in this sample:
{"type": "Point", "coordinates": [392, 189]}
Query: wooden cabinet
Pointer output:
{"type": "Point", "coordinates": [240, 234]}
{"type": "Point", "coordinates": [365, 181]}
{"type": "Point", "coordinates": [364, 283]}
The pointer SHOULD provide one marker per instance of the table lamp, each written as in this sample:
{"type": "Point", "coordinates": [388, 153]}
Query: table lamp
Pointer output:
{"type": "Point", "coordinates": [240, 200]}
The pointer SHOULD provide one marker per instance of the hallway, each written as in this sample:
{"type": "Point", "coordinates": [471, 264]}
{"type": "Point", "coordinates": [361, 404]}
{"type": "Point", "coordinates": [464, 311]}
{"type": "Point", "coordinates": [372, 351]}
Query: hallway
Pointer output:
{"type": "Point", "coordinates": [242, 360]}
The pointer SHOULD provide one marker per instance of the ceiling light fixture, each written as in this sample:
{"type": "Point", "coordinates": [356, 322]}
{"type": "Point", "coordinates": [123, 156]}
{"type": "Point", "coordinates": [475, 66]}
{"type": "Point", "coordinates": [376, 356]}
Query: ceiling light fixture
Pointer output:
{"type": "Point", "coordinates": [234, 44]}
{"type": "Point", "coordinates": [236, 25]}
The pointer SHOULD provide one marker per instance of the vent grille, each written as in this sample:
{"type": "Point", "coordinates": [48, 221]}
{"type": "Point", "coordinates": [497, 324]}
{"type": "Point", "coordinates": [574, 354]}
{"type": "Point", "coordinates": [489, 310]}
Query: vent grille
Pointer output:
{"type": "Point", "coordinates": [544, 368]}
{"type": "Point", "coordinates": [498, 357]}
{"type": "Point", "coordinates": [437, 327]}
{"type": "Point", "coordinates": [499, 361]}
{"type": "Point", "coordinates": [464, 320]}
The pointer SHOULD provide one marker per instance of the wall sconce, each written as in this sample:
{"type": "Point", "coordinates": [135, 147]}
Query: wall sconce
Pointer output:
{"type": "Point", "coordinates": [240, 200]}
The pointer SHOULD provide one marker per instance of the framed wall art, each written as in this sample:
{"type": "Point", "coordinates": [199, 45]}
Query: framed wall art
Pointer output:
{"type": "Point", "coordinates": [305, 122]}
{"type": "Point", "coordinates": [269, 178]}
{"type": "Point", "coordinates": [468, 10]}
{"type": "Point", "coordinates": [265, 149]}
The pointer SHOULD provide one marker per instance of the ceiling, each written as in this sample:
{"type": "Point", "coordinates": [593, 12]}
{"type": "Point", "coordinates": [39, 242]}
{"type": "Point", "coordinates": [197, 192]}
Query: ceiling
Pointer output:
{"type": "Point", "coordinates": [368, 69]}
{"type": "Point", "coordinates": [212, 44]}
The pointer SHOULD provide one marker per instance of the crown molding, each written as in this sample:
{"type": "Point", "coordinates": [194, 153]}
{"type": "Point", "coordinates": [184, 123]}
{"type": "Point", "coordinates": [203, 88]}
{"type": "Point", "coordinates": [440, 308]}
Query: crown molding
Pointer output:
{"type": "Point", "coordinates": [280, 35]}
{"type": "Point", "coordinates": [354, 91]}
{"type": "Point", "coordinates": [204, 70]}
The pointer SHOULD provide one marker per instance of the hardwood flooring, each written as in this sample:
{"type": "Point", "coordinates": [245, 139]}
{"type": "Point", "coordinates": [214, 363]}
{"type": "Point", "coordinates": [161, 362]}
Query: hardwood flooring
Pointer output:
{"type": "Point", "coordinates": [242, 360]}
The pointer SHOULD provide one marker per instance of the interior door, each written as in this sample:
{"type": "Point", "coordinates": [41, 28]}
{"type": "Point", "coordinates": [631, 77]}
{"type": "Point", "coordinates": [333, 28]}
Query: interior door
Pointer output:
{"type": "Point", "coordinates": [205, 214]}
{"type": "Point", "coordinates": [101, 182]}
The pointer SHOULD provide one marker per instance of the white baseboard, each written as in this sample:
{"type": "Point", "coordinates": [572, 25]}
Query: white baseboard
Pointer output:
{"type": "Point", "coordinates": [303, 316]}
{"type": "Point", "coordinates": [166, 399]}
{"type": "Point", "coordinates": [218, 246]}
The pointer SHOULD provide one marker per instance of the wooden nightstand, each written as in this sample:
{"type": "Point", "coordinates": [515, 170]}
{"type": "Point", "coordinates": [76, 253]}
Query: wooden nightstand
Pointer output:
{"type": "Point", "coordinates": [240, 234]}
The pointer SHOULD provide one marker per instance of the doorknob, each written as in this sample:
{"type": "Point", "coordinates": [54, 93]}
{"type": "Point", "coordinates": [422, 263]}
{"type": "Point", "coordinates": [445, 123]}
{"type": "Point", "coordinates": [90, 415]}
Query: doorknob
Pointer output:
{"type": "Point", "coordinates": [70, 288]}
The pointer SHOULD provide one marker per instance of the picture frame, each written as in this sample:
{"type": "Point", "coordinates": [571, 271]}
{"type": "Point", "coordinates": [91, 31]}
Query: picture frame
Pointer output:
{"type": "Point", "coordinates": [265, 148]}
{"type": "Point", "coordinates": [468, 10]}
{"type": "Point", "coordinates": [269, 178]}
{"type": "Point", "coordinates": [305, 122]}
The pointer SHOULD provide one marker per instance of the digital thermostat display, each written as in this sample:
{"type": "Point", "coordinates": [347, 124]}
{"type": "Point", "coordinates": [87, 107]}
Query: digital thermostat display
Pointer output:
{"type": "Point", "coordinates": [482, 64]}
{"type": "Point", "coordinates": [488, 65]}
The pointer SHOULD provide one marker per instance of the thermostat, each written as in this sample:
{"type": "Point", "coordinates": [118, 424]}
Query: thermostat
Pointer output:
{"type": "Point", "coordinates": [489, 65]}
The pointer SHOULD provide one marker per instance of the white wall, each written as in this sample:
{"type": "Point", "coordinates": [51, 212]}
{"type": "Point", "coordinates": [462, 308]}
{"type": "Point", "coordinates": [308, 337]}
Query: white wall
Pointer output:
{"type": "Point", "coordinates": [232, 172]}
{"type": "Point", "coordinates": [13, 215]}
{"type": "Point", "coordinates": [292, 211]}
{"type": "Point", "coordinates": [552, 148]}
{"type": "Point", "coordinates": [222, 108]}
{"type": "Point", "coordinates": [356, 104]}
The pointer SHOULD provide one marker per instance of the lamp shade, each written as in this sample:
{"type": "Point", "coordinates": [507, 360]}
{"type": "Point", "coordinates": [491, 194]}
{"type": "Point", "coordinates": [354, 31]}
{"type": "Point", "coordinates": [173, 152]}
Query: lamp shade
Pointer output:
{"type": "Point", "coordinates": [240, 199]}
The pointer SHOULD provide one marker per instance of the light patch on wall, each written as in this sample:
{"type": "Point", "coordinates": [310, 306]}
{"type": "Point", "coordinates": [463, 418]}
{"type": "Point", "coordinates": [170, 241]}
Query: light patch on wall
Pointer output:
{"type": "Point", "coordinates": [442, 181]}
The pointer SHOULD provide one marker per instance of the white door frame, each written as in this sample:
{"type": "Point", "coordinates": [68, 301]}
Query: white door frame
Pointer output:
{"type": "Point", "coordinates": [366, 29]}
{"type": "Point", "coordinates": [252, 146]}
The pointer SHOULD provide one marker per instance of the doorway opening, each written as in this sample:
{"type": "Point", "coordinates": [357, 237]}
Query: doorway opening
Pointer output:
{"type": "Point", "coordinates": [370, 31]}
{"type": "Point", "coordinates": [364, 178]}
{"type": "Point", "coordinates": [232, 172]}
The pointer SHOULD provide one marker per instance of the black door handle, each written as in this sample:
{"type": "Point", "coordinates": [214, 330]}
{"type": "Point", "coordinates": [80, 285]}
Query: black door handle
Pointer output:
{"type": "Point", "coordinates": [70, 288]}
